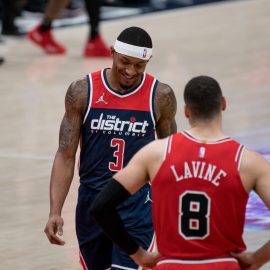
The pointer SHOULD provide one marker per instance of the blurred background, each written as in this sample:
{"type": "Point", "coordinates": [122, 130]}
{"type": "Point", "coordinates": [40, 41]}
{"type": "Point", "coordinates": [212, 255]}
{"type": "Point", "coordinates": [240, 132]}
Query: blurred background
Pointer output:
{"type": "Point", "coordinates": [229, 40]}
{"type": "Point", "coordinates": [19, 16]}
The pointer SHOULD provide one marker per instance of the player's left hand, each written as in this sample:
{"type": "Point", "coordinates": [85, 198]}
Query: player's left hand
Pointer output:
{"type": "Point", "coordinates": [145, 259]}
{"type": "Point", "coordinates": [54, 229]}
{"type": "Point", "coordinates": [246, 260]}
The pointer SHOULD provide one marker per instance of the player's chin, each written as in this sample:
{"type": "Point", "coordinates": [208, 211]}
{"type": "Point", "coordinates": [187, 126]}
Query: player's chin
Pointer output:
{"type": "Point", "coordinates": [128, 83]}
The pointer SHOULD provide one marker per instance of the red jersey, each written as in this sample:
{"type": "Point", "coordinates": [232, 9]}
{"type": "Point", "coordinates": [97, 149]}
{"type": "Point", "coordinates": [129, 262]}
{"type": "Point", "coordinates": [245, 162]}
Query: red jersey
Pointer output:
{"type": "Point", "coordinates": [199, 201]}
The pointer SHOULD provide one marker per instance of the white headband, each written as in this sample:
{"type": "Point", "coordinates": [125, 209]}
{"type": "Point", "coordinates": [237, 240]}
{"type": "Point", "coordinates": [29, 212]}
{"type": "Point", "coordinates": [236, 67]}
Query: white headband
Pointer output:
{"type": "Point", "coordinates": [131, 50]}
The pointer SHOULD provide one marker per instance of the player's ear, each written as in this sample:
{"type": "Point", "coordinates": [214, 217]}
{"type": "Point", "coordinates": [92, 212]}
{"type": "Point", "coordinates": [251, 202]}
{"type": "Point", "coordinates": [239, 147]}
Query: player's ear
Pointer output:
{"type": "Point", "coordinates": [186, 111]}
{"type": "Point", "coordinates": [112, 50]}
{"type": "Point", "coordinates": [223, 103]}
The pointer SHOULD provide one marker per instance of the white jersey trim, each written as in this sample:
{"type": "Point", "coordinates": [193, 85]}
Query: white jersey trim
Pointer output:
{"type": "Point", "coordinates": [166, 147]}
{"type": "Point", "coordinates": [123, 267]}
{"type": "Point", "coordinates": [151, 102]}
{"type": "Point", "coordinates": [90, 96]}
{"type": "Point", "coordinates": [170, 144]}
{"type": "Point", "coordinates": [237, 153]}
{"type": "Point", "coordinates": [188, 135]}
{"type": "Point", "coordinates": [197, 261]}
{"type": "Point", "coordinates": [240, 158]}
{"type": "Point", "coordinates": [123, 95]}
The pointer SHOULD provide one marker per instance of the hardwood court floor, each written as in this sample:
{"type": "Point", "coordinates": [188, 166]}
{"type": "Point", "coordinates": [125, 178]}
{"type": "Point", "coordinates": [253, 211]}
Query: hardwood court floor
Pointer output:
{"type": "Point", "coordinates": [229, 41]}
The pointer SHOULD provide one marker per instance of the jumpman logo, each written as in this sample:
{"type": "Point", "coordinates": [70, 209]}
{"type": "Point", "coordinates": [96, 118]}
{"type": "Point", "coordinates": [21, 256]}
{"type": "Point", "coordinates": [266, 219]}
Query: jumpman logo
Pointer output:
{"type": "Point", "coordinates": [148, 199]}
{"type": "Point", "coordinates": [101, 99]}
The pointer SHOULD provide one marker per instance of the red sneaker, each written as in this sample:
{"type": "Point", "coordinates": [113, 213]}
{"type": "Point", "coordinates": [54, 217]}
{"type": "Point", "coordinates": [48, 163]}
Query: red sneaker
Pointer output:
{"type": "Point", "coordinates": [96, 47]}
{"type": "Point", "coordinates": [46, 41]}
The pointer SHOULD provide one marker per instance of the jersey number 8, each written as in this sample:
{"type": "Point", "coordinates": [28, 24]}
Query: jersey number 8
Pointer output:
{"type": "Point", "coordinates": [194, 211]}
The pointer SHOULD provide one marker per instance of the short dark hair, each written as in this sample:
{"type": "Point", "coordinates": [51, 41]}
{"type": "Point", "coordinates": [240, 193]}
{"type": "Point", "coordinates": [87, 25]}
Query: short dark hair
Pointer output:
{"type": "Point", "coordinates": [203, 96]}
{"type": "Point", "coordinates": [135, 36]}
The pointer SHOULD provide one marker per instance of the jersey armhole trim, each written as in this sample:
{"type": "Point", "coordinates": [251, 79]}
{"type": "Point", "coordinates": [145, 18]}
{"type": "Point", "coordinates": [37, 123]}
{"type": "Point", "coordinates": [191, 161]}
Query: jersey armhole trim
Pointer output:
{"type": "Point", "coordinates": [152, 101]}
{"type": "Point", "coordinates": [89, 97]}
{"type": "Point", "coordinates": [238, 156]}
{"type": "Point", "coordinates": [168, 147]}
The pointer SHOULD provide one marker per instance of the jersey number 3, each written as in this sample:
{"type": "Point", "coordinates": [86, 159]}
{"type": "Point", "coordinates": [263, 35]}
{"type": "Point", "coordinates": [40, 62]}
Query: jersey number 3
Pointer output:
{"type": "Point", "coordinates": [194, 211]}
{"type": "Point", "coordinates": [119, 144]}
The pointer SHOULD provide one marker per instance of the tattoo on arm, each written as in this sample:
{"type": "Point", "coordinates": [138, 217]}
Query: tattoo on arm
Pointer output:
{"type": "Point", "coordinates": [67, 134]}
{"type": "Point", "coordinates": [165, 109]}
{"type": "Point", "coordinates": [75, 101]}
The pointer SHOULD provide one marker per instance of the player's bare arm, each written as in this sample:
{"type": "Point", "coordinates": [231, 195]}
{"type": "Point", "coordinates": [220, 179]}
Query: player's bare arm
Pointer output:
{"type": "Point", "coordinates": [254, 260]}
{"type": "Point", "coordinates": [165, 110]}
{"type": "Point", "coordinates": [142, 167]}
{"type": "Point", "coordinates": [255, 175]}
{"type": "Point", "coordinates": [63, 166]}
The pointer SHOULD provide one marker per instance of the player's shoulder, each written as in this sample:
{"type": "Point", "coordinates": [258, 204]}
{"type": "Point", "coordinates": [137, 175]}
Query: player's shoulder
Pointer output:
{"type": "Point", "coordinates": [157, 147]}
{"type": "Point", "coordinates": [164, 89]}
{"type": "Point", "coordinates": [79, 85]}
{"type": "Point", "coordinates": [77, 92]}
{"type": "Point", "coordinates": [150, 154]}
{"type": "Point", "coordinates": [165, 99]}
{"type": "Point", "coordinates": [252, 159]}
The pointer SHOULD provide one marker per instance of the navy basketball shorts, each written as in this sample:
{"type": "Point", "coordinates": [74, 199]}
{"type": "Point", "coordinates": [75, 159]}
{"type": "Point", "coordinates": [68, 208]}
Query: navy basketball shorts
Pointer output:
{"type": "Point", "coordinates": [97, 251]}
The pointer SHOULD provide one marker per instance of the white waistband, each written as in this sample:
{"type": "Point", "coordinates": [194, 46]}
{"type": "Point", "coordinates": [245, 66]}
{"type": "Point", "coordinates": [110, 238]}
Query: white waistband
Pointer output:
{"type": "Point", "coordinates": [197, 261]}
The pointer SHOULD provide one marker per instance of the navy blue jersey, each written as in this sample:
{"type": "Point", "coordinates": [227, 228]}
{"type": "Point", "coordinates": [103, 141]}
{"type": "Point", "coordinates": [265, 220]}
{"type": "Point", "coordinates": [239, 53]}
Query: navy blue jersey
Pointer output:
{"type": "Point", "coordinates": [115, 127]}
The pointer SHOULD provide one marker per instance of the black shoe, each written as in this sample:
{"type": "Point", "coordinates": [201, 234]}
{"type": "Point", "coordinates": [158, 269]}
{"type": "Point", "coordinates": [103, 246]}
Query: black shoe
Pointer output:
{"type": "Point", "coordinates": [2, 60]}
{"type": "Point", "coordinates": [12, 32]}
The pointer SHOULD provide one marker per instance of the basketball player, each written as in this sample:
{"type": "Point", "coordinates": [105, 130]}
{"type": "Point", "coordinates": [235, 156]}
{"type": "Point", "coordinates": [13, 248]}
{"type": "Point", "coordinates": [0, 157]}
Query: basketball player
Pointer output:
{"type": "Point", "coordinates": [42, 35]}
{"type": "Point", "coordinates": [200, 185]}
{"type": "Point", "coordinates": [113, 113]}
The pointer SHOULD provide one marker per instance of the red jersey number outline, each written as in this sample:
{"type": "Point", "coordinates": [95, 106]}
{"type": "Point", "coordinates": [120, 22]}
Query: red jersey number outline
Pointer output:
{"type": "Point", "coordinates": [118, 154]}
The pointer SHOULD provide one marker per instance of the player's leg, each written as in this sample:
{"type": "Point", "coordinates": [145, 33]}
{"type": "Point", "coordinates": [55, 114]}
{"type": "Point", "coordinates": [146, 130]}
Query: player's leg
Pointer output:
{"type": "Point", "coordinates": [95, 46]}
{"type": "Point", "coordinates": [53, 9]}
{"type": "Point", "coordinates": [41, 35]}
{"type": "Point", "coordinates": [136, 213]}
{"type": "Point", "coordinates": [97, 253]}
{"type": "Point", "coordinates": [9, 10]}
{"type": "Point", "coordinates": [95, 246]}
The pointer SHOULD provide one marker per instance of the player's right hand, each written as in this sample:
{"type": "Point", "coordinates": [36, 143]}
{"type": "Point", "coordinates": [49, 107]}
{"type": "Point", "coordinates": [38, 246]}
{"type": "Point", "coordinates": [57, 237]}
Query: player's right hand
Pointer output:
{"type": "Point", "coordinates": [145, 259]}
{"type": "Point", "coordinates": [53, 228]}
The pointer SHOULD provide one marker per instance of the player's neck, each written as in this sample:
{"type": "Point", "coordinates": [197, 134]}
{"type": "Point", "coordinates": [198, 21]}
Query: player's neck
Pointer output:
{"type": "Point", "coordinates": [208, 131]}
{"type": "Point", "coordinates": [114, 84]}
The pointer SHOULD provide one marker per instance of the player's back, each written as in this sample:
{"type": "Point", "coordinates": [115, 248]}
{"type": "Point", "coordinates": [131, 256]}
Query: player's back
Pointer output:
{"type": "Point", "coordinates": [198, 200]}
